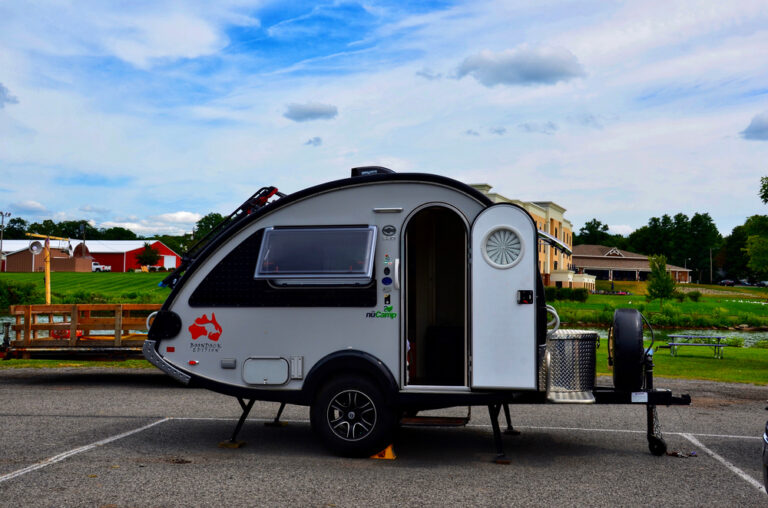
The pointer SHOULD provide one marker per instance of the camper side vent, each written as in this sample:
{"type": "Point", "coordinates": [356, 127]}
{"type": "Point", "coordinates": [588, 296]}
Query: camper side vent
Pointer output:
{"type": "Point", "coordinates": [297, 367]}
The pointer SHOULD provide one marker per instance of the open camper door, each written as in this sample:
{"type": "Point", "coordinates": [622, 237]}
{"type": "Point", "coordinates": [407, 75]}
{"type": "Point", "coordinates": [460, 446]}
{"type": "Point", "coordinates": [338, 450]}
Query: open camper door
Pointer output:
{"type": "Point", "coordinates": [504, 265]}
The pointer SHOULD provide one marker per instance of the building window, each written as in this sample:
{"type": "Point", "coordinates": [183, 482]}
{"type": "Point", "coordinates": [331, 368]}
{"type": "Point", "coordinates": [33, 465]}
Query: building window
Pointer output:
{"type": "Point", "coordinates": [555, 265]}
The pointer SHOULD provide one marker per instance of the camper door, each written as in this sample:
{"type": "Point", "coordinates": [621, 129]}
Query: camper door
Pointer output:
{"type": "Point", "coordinates": [504, 264]}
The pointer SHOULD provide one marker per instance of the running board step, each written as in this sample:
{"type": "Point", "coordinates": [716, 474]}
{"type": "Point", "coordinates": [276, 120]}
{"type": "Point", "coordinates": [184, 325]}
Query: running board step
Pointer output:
{"type": "Point", "coordinates": [571, 397]}
{"type": "Point", "coordinates": [435, 421]}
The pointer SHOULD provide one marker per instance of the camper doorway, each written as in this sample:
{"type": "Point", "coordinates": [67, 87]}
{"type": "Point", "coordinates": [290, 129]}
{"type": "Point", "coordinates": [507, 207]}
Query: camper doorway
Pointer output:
{"type": "Point", "coordinates": [435, 293]}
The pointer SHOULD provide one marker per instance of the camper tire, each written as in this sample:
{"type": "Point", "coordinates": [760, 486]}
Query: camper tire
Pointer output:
{"type": "Point", "coordinates": [352, 418]}
{"type": "Point", "coordinates": [628, 352]}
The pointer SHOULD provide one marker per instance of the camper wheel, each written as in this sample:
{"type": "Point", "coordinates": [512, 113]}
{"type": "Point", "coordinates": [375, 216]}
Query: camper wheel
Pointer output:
{"type": "Point", "coordinates": [627, 350]}
{"type": "Point", "coordinates": [352, 418]}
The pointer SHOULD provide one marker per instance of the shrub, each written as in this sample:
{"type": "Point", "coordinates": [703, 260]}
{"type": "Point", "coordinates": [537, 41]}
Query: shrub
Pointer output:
{"type": "Point", "coordinates": [761, 344]}
{"type": "Point", "coordinates": [694, 295]}
{"type": "Point", "coordinates": [679, 296]}
{"type": "Point", "coordinates": [19, 293]}
{"type": "Point", "coordinates": [735, 341]}
{"type": "Point", "coordinates": [550, 293]}
{"type": "Point", "coordinates": [580, 294]}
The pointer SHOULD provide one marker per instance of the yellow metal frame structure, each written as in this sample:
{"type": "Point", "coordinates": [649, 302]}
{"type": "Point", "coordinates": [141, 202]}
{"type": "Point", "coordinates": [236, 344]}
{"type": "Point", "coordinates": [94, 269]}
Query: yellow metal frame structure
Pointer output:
{"type": "Point", "coordinates": [47, 260]}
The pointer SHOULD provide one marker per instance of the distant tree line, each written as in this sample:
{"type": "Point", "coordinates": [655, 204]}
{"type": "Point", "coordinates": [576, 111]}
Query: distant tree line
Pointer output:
{"type": "Point", "coordinates": [688, 242]}
{"type": "Point", "coordinates": [17, 228]}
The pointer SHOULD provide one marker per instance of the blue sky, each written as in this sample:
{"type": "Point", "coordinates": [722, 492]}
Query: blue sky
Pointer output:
{"type": "Point", "coordinates": [148, 115]}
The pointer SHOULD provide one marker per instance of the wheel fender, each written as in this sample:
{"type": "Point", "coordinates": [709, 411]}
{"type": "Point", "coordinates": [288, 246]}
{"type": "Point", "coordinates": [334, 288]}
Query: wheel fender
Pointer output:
{"type": "Point", "coordinates": [350, 362]}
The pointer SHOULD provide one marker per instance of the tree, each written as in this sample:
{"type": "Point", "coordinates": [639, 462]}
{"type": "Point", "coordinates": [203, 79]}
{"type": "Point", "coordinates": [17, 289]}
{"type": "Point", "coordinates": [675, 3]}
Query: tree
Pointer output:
{"type": "Point", "coordinates": [703, 237]}
{"type": "Point", "coordinates": [148, 256]}
{"type": "Point", "coordinates": [118, 233]}
{"type": "Point", "coordinates": [71, 229]}
{"type": "Point", "coordinates": [592, 232]}
{"type": "Point", "coordinates": [206, 224]}
{"type": "Point", "coordinates": [16, 229]}
{"type": "Point", "coordinates": [757, 250]}
{"type": "Point", "coordinates": [661, 285]}
{"type": "Point", "coordinates": [764, 189]}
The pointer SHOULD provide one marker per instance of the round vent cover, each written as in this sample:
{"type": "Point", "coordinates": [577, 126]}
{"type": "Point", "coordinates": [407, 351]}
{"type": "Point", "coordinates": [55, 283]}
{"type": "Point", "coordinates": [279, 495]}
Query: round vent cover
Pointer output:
{"type": "Point", "coordinates": [502, 247]}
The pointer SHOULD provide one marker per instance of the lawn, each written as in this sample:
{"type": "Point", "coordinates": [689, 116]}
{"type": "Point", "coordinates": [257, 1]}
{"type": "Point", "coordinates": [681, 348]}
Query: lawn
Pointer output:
{"type": "Point", "coordinates": [739, 365]}
{"type": "Point", "coordinates": [718, 307]}
{"type": "Point", "coordinates": [97, 287]}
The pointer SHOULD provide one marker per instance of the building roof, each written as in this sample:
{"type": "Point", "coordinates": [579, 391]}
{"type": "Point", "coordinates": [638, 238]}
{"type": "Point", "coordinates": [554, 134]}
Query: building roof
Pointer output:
{"type": "Point", "coordinates": [11, 246]}
{"type": "Point", "coordinates": [114, 246]}
{"type": "Point", "coordinates": [97, 246]}
{"type": "Point", "coordinates": [601, 257]}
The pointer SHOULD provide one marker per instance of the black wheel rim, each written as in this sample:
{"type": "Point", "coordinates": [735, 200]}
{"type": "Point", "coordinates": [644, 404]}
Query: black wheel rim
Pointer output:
{"type": "Point", "coordinates": [351, 415]}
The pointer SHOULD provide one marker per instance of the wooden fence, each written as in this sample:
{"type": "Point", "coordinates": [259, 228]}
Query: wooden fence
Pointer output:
{"type": "Point", "coordinates": [92, 328]}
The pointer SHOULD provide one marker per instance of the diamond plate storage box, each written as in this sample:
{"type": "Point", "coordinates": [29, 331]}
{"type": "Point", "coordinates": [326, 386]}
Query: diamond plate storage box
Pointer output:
{"type": "Point", "coordinates": [567, 362]}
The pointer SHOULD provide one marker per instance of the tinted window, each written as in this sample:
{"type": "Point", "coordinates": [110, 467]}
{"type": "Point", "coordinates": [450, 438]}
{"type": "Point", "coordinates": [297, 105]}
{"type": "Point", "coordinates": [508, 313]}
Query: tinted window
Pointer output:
{"type": "Point", "coordinates": [317, 253]}
{"type": "Point", "coordinates": [231, 284]}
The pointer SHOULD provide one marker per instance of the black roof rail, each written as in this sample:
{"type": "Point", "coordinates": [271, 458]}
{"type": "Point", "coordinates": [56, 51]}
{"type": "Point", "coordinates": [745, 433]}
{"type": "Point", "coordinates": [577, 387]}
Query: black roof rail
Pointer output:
{"type": "Point", "coordinates": [258, 200]}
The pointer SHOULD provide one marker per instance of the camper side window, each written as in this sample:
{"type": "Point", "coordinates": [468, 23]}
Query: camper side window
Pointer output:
{"type": "Point", "coordinates": [317, 255]}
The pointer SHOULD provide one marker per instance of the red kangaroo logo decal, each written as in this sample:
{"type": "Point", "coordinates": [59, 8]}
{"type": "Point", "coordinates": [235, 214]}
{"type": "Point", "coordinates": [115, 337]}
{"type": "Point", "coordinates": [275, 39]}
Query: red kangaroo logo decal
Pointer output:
{"type": "Point", "coordinates": [204, 327]}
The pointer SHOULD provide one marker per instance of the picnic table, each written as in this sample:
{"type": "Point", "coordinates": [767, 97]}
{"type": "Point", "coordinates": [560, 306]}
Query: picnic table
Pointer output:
{"type": "Point", "coordinates": [714, 341]}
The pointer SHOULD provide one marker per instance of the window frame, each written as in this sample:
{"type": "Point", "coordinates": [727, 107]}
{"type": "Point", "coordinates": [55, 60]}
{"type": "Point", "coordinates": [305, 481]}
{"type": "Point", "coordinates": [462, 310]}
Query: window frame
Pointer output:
{"type": "Point", "coordinates": [364, 277]}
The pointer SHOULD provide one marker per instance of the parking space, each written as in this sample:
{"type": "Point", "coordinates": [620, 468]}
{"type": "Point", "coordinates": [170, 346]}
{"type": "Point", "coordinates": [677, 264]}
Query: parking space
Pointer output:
{"type": "Point", "coordinates": [134, 439]}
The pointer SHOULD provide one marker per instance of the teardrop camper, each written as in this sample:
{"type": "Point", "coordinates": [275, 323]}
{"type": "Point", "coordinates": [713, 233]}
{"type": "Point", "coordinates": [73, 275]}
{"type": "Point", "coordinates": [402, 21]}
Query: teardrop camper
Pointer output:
{"type": "Point", "coordinates": [373, 297]}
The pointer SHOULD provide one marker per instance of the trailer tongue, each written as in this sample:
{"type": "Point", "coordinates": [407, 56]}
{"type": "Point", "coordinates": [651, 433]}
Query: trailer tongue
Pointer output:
{"type": "Point", "coordinates": [374, 297]}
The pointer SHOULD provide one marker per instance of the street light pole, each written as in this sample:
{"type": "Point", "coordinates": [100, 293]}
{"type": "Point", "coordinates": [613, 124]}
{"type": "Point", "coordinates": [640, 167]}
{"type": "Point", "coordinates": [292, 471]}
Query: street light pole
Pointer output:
{"type": "Point", "coordinates": [3, 215]}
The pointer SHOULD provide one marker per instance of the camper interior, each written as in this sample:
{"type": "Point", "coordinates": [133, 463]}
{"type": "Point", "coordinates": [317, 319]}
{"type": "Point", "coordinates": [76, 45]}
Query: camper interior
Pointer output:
{"type": "Point", "coordinates": [436, 297]}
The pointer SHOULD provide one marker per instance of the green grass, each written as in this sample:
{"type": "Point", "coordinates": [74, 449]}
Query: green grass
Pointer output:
{"type": "Point", "coordinates": [739, 365]}
{"type": "Point", "coordinates": [728, 308]}
{"type": "Point", "coordinates": [101, 287]}
{"type": "Point", "coordinates": [58, 364]}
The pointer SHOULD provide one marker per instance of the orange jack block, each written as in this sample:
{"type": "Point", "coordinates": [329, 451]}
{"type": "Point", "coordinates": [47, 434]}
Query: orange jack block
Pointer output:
{"type": "Point", "coordinates": [387, 453]}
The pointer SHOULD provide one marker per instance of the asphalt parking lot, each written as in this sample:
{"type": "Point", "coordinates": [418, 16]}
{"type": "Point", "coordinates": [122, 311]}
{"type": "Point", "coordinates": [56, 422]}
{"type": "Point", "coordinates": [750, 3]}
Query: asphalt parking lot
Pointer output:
{"type": "Point", "coordinates": [99, 437]}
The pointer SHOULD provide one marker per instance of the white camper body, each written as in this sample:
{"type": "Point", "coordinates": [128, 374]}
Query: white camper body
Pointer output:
{"type": "Point", "coordinates": [364, 298]}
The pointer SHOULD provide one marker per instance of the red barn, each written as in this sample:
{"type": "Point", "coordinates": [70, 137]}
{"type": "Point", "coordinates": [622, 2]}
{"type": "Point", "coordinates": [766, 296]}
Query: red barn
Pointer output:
{"type": "Point", "coordinates": [121, 254]}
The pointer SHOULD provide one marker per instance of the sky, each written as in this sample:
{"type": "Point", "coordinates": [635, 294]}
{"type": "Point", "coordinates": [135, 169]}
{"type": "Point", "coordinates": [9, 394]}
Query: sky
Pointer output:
{"type": "Point", "coordinates": [150, 114]}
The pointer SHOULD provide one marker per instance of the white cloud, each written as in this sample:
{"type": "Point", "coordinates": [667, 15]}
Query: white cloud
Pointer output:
{"type": "Point", "coordinates": [620, 229]}
{"type": "Point", "coordinates": [179, 217]}
{"type": "Point", "coordinates": [757, 128]}
{"type": "Point", "coordinates": [522, 66]}
{"type": "Point", "coordinates": [139, 39]}
{"type": "Point", "coordinates": [314, 141]}
{"type": "Point", "coordinates": [29, 207]}
{"type": "Point", "coordinates": [310, 111]}
{"type": "Point", "coordinates": [94, 209]}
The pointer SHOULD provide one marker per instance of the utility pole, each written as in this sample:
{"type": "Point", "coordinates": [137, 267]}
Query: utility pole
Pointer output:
{"type": "Point", "coordinates": [3, 215]}
{"type": "Point", "coordinates": [47, 259]}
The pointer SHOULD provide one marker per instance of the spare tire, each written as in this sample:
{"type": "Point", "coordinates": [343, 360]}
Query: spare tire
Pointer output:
{"type": "Point", "coordinates": [628, 351]}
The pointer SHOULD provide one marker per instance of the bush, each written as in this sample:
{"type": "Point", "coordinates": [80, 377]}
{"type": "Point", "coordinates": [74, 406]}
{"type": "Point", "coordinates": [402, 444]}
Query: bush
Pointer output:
{"type": "Point", "coordinates": [580, 294]}
{"type": "Point", "coordinates": [694, 295]}
{"type": "Point", "coordinates": [19, 293]}
{"type": "Point", "coordinates": [679, 296]}
{"type": "Point", "coordinates": [761, 344]}
{"type": "Point", "coordinates": [81, 296]}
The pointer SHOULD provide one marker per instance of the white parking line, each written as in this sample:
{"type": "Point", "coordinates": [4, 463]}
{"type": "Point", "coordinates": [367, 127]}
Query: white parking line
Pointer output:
{"type": "Point", "coordinates": [741, 474]}
{"type": "Point", "coordinates": [70, 453]}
